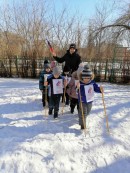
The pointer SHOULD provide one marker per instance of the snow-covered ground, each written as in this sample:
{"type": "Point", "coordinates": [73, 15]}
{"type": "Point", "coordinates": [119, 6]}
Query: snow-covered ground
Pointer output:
{"type": "Point", "coordinates": [31, 142]}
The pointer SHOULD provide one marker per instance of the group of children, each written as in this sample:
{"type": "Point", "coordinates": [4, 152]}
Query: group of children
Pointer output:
{"type": "Point", "coordinates": [76, 89]}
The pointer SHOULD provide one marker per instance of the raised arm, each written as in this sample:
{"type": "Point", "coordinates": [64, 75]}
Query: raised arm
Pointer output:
{"type": "Point", "coordinates": [58, 59]}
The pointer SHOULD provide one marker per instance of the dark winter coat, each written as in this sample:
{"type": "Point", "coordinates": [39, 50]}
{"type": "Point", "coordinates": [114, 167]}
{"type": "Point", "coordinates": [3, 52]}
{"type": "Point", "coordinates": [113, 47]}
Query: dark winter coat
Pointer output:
{"type": "Point", "coordinates": [71, 60]}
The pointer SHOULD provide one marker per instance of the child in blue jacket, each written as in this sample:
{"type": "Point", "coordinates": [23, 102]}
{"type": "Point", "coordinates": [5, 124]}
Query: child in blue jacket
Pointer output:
{"type": "Point", "coordinates": [86, 89]}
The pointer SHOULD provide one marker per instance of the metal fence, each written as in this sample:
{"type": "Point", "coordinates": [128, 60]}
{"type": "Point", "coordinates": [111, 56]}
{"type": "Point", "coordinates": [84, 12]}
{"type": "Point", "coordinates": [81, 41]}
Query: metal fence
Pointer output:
{"type": "Point", "coordinates": [105, 70]}
{"type": "Point", "coordinates": [21, 67]}
{"type": "Point", "coordinates": [116, 72]}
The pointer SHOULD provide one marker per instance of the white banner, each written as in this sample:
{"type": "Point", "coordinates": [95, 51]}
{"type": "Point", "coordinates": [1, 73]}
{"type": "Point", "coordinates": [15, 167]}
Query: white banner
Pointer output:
{"type": "Point", "coordinates": [68, 79]}
{"type": "Point", "coordinates": [89, 92]}
{"type": "Point", "coordinates": [46, 76]}
{"type": "Point", "coordinates": [76, 82]}
{"type": "Point", "coordinates": [58, 86]}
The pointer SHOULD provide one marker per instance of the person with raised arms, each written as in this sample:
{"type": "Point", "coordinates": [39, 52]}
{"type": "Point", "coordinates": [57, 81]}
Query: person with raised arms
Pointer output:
{"type": "Point", "coordinates": [72, 59]}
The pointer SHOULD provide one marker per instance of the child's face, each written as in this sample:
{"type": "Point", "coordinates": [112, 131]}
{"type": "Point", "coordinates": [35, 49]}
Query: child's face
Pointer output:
{"type": "Point", "coordinates": [56, 76]}
{"type": "Point", "coordinates": [48, 69]}
{"type": "Point", "coordinates": [86, 79]}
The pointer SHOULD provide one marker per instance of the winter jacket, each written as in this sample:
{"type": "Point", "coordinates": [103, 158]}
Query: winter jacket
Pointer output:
{"type": "Point", "coordinates": [71, 60]}
{"type": "Point", "coordinates": [82, 90]}
{"type": "Point", "coordinates": [41, 79]}
{"type": "Point", "coordinates": [71, 90]}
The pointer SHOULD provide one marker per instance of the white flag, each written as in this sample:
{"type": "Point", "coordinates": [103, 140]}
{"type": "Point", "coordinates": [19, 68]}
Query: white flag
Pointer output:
{"type": "Point", "coordinates": [68, 79]}
{"type": "Point", "coordinates": [89, 92]}
{"type": "Point", "coordinates": [76, 82]}
{"type": "Point", "coordinates": [58, 86]}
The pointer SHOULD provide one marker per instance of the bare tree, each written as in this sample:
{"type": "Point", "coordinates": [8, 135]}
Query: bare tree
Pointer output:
{"type": "Point", "coordinates": [119, 27]}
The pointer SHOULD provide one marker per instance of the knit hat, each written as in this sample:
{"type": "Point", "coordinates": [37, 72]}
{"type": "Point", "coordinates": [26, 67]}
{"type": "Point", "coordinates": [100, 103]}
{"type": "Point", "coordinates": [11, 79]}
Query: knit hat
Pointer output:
{"type": "Point", "coordinates": [46, 61]}
{"type": "Point", "coordinates": [56, 70]}
{"type": "Point", "coordinates": [72, 46]}
{"type": "Point", "coordinates": [86, 72]}
{"type": "Point", "coordinates": [66, 69]}
{"type": "Point", "coordinates": [46, 66]}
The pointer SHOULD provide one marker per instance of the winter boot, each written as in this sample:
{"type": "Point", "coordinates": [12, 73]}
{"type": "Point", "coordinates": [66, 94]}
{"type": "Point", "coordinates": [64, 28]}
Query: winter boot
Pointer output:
{"type": "Point", "coordinates": [44, 104]}
{"type": "Point", "coordinates": [72, 110]}
{"type": "Point", "coordinates": [55, 115]}
{"type": "Point", "coordinates": [50, 112]}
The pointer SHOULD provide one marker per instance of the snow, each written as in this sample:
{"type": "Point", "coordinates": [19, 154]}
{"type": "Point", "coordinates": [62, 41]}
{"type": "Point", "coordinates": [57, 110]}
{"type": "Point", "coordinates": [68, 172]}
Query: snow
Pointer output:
{"type": "Point", "coordinates": [31, 142]}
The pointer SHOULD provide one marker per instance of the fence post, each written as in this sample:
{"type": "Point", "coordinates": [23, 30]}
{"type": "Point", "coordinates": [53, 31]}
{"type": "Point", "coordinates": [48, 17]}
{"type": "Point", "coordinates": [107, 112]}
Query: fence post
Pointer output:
{"type": "Point", "coordinates": [16, 62]}
{"type": "Point", "coordinates": [112, 76]}
{"type": "Point", "coordinates": [106, 69]}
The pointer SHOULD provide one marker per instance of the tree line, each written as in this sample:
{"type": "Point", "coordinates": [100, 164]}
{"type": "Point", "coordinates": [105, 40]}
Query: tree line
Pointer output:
{"type": "Point", "coordinates": [24, 27]}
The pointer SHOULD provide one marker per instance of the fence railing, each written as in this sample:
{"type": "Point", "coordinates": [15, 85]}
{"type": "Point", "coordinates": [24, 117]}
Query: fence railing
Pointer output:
{"type": "Point", "coordinates": [110, 71]}
{"type": "Point", "coordinates": [105, 70]}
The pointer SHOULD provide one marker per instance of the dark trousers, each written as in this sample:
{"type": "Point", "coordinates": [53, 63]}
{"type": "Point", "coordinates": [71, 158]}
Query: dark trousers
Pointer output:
{"type": "Point", "coordinates": [44, 97]}
{"type": "Point", "coordinates": [73, 103]}
{"type": "Point", "coordinates": [67, 99]}
{"type": "Point", "coordinates": [54, 102]}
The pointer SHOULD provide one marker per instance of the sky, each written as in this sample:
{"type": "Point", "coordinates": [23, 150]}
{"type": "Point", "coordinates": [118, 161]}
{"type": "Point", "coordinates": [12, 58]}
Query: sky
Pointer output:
{"type": "Point", "coordinates": [32, 142]}
{"type": "Point", "coordinates": [84, 8]}
{"type": "Point", "coordinates": [87, 8]}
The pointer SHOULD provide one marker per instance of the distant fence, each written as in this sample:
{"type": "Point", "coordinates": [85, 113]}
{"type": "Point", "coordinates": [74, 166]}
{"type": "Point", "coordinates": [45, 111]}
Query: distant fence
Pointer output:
{"type": "Point", "coordinates": [106, 70]}
{"type": "Point", "coordinates": [21, 67]}
{"type": "Point", "coordinates": [109, 71]}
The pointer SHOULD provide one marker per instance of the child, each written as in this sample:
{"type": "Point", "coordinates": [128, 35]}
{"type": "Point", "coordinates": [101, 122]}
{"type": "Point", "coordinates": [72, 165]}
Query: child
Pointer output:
{"type": "Point", "coordinates": [67, 76]}
{"type": "Point", "coordinates": [71, 90]}
{"type": "Point", "coordinates": [56, 84]}
{"type": "Point", "coordinates": [86, 87]}
{"type": "Point", "coordinates": [43, 75]}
